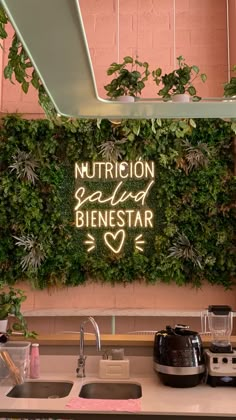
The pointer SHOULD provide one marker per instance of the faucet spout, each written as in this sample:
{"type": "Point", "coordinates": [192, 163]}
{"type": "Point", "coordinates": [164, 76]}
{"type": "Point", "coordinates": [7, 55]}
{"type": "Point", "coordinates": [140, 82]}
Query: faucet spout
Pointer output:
{"type": "Point", "coordinates": [82, 358]}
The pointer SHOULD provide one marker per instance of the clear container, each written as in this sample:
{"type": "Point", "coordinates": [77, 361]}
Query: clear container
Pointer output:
{"type": "Point", "coordinates": [19, 352]}
{"type": "Point", "coordinates": [221, 328]}
{"type": "Point", "coordinates": [220, 324]}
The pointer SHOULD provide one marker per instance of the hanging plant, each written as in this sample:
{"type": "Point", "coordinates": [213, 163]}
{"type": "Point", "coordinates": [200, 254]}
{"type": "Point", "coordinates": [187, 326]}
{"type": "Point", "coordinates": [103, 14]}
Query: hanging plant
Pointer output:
{"type": "Point", "coordinates": [230, 87]}
{"type": "Point", "coordinates": [130, 78]}
{"type": "Point", "coordinates": [179, 81]}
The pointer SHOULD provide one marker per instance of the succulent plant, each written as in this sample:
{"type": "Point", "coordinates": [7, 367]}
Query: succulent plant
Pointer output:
{"type": "Point", "coordinates": [111, 150]}
{"type": "Point", "coordinates": [35, 255]}
{"type": "Point", "coordinates": [193, 157]}
{"type": "Point", "coordinates": [24, 164]}
{"type": "Point", "coordinates": [183, 249]}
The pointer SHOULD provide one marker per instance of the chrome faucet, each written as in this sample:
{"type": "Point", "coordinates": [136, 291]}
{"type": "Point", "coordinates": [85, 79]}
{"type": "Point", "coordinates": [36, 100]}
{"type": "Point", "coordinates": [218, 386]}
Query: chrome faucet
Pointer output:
{"type": "Point", "coordinates": [82, 358]}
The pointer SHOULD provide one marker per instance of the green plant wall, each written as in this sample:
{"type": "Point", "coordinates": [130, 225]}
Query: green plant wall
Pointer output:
{"type": "Point", "coordinates": [195, 201]}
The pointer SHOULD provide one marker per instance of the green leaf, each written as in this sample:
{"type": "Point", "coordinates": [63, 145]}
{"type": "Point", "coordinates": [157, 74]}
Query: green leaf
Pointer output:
{"type": "Point", "coordinates": [195, 69]}
{"type": "Point", "coordinates": [35, 82]}
{"type": "Point", "coordinates": [3, 16]}
{"type": "Point", "coordinates": [113, 69]}
{"type": "Point", "coordinates": [8, 72]}
{"type": "Point", "coordinates": [136, 128]}
{"type": "Point", "coordinates": [158, 72]}
{"type": "Point", "coordinates": [25, 86]}
{"type": "Point", "coordinates": [233, 127]}
{"type": "Point", "coordinates": [153, 125]}
{"type": "Point", "coordinates": [128, 59]}
{"type": "Point", "coordinates": [192, 123]}
{"type": "Point", "coordinates": [203, 77]}
{"type": "Point", "coordinates": [3, 33]}
{"type": "Point", "coordinates": [20, 74]}
{"type": "Point", "coordinates": [191, 90]}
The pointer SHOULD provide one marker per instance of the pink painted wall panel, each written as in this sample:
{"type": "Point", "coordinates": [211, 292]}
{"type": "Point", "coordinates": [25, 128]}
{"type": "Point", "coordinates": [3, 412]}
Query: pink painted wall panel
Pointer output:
{"type": "Point", "coordinates": [232, 34]}
{"type": "Point", "coordinates": [94, 297]}
{"type": "Point", "coordinates": [137, 295]}
{"type": "Point", "coordinates": [201, 37]}
{"type": "Point", "coordinates": [155, 32]}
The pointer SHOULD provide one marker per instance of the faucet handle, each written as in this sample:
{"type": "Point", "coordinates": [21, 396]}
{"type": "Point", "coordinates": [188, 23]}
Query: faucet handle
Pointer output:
{"type": "Point", "coordinates": [80, 371]}
{"type": "Point", "coordinates": [105, 355]}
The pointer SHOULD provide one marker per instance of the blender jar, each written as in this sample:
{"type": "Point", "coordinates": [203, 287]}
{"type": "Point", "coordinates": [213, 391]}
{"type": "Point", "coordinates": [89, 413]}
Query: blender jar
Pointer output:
{"type": "Point", "coordinates": [220, 324]}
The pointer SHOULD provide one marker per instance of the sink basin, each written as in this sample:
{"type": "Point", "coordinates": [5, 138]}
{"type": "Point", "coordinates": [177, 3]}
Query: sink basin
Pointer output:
{"type": "Point", "coordinates": [111, 390]}
{"type": "Point", "coordinates": [41, 389]}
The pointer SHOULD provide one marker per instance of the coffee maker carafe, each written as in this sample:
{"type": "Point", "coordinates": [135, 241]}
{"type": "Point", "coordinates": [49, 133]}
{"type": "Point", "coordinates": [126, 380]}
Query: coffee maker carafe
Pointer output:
{"type": "Point", "coordinates": [220, 357]}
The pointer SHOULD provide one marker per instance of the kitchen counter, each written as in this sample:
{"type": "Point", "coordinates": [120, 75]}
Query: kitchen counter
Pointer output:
{"type": "Point", "coordinates": [157, 400]}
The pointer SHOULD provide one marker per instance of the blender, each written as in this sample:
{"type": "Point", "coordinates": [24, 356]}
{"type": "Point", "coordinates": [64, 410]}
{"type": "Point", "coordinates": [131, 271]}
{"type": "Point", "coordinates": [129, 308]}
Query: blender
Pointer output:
{"type": "Point", "coordinates": [220, 357]}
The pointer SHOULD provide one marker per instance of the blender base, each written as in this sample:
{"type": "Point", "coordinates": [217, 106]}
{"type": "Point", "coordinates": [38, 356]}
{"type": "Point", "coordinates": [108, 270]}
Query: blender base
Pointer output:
{"type": "Point", "coordinates": [221, 368]}
{"type": "Point", "coordinates": [221, 380]}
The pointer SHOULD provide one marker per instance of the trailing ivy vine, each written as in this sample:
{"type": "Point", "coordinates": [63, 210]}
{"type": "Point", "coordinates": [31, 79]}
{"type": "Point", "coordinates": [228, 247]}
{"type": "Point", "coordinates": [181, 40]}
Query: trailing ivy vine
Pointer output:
{"type": "Point", "coordinates": [195, 200]}
{"type": "Point", "coordinates": [20, 66]}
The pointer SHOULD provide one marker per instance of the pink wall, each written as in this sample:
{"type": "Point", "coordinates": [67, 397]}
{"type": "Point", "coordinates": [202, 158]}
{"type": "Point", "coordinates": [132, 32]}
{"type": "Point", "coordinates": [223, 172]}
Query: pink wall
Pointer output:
{"type": "Point", "coordinates": [138, 295]}
{"type": "Point", "coordinates": [147, 29]}
{"type": "Point", "coordinates": [232, 33]}
{"type": "Point", "coordinates": [93, 298]}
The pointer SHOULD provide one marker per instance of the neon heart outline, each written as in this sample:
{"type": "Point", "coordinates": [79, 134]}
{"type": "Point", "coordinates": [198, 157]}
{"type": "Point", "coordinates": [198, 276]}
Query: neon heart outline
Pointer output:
{"type": "Point", "coordinates": [114, 237]}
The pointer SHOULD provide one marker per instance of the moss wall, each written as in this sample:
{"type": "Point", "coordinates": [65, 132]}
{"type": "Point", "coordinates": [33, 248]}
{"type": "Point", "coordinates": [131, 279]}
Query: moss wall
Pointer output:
{"type": "Point", "coordinates": [194, 200]}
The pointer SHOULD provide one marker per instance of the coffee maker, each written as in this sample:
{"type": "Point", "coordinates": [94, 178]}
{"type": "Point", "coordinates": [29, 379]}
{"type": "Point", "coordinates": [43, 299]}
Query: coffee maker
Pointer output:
{"type": "Point", "coordinates": [220, 357]}
{"type": "Point", "coordinates": [178, 356]}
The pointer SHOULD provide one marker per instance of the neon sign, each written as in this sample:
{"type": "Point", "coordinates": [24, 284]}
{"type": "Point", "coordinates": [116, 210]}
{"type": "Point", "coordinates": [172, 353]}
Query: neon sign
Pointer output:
{"type": "Point", "coordinates": [117, 209]}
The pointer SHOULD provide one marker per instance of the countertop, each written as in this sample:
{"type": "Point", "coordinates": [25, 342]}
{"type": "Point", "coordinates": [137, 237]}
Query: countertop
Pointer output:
{"type": "Point", "coordinates": [157, 399]}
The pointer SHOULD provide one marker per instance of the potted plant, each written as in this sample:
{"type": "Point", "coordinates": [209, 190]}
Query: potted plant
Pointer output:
{"type": "Point", "coordinates": [179, 82]}
{"type": "Point", "coordinates": [10, 305]}
{"type": "Point", "coordinates": [230, 87]}
{"type": "Point", "coordinates": [128, 81]}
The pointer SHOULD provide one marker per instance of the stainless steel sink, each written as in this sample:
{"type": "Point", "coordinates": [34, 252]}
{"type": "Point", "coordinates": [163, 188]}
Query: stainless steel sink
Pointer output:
{"type": "Point", "coordinates": [111, 390]}
{"type": "Point", "coordinates": [41, 389]}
